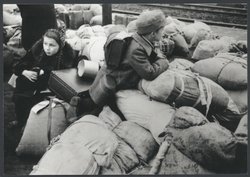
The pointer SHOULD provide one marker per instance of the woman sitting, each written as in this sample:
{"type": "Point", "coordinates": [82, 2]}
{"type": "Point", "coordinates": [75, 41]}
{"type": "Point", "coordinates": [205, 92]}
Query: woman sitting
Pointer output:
{"type": "Point", "coordinates": [33, 71]}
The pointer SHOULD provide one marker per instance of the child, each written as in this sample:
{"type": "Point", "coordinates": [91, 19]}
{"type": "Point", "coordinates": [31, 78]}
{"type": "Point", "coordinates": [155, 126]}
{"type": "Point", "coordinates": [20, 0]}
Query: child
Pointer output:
{"type": "Point", "coordinates": [47, 54]}
{"type": "Point", "coordinates": [140, 62]}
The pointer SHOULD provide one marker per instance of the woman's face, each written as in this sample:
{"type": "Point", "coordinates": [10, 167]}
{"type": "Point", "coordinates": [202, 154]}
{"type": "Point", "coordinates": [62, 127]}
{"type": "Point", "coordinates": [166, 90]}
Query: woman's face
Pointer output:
{"type": "Point", "coordinates": [50, 46]}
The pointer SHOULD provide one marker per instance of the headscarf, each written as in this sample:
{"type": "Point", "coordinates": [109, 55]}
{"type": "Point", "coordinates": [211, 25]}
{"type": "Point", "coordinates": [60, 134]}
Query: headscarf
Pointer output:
{"type": "Point", "coordinates": [58, 35]}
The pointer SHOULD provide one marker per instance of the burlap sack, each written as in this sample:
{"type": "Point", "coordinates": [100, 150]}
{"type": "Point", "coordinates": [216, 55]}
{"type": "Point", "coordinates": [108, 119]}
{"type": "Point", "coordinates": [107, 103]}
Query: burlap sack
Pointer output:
{"type": "Point", "coordinates": [209, 144]}
{"type": "Point", "coordinates": [183, 88]}
{"type": "Point", "coordinates": [138, 138]}
{"type": "Point", "coordinates": [191, 29]}
{"type": "Point", "coordinates": [228, 71]}
{"type": "Point", "coordinates": [210, 48]}
{"type": "Point", "coordinates": [42, 127]}
{"type": "Point", "coordinates": [93, 133]}
{"type": "Point", "coordinates": [96, 20]}
{"type": "Point", "coordinates": [124, 160]}
{"type": "Point", "coordinates": [240, 99]}
{"type": "Point", "coordinates": [181, 63]}
{"type": "Point", "coordinates": [96, 9]}
{"type": "Point", "coordinates": [150, 114]}
{"type": "Point", "coordinates": [111, 119]}
{"type": "Point", "coordinates": [229, 117]}
{"type": "Point", "coordinates": [242, 129]}
{"type": "Point", "coordinates": [67, 159]}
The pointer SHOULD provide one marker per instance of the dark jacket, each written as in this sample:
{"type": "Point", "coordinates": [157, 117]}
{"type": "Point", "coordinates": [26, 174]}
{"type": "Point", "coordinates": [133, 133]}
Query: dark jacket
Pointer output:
{"type": "Point", "coordinates": [140, 62]}
{"type": "Point", "coordinates": [37, 58]}
{"type": "Point", "coordinates": [36, 19]}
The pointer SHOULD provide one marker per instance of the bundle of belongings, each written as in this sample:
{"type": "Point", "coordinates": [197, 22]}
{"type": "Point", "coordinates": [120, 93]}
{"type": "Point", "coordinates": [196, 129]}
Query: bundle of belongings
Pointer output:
{"type": "Point", "coordinates": [191, 119]}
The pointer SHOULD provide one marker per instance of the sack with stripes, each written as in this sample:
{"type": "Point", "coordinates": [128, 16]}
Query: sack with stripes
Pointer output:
{"type": "Point", "coordinates": [183, 88]}
{"type": "Point", "coordinates": [227, 70]}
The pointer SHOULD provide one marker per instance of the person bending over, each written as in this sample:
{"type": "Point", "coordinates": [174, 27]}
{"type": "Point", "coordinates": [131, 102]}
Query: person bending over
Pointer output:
{"type": "Point", "coordinates": [139, 62]}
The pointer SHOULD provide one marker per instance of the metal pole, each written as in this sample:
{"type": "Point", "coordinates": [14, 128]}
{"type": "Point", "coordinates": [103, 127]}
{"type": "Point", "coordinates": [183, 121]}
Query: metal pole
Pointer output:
{"type": "Point", "coordinates": [106, 14]}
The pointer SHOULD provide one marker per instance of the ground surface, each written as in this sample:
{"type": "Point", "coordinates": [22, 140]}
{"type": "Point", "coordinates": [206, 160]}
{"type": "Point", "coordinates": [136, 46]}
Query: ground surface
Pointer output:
{"type": "Point", "coordinates": [14, 165]}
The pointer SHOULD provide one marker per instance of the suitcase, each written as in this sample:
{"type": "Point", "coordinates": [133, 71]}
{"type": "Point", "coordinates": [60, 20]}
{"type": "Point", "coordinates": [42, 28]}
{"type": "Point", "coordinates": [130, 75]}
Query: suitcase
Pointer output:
{"type": "Point", "coordinates": [65, 83]}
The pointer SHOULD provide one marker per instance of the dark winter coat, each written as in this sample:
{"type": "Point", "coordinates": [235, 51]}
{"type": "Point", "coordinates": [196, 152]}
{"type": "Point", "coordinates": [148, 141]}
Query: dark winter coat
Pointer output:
{"type": "Point", "coordinates": [36, 19]}
{"type": "Point", "coordinates": [37, 58]}
{"type": "Point", "coordinates": [140, 62]}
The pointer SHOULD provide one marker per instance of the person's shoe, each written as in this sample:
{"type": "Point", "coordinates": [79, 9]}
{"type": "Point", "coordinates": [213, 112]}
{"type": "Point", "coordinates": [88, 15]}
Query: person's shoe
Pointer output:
{"type": "Point", "coordinates": [72, 111]}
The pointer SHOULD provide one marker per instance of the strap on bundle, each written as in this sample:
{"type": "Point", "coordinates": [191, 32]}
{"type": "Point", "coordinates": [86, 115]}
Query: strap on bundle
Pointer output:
{"type": "Point", "coordinates": [159, 157]}
{"type": "Point", "coordinates": [51, 106]}
{"type": "Point", "coordinates": [230, 61]}
{"type": "Point", "coordinates": [205, 99]}
{"type": "Point", "coordinates": [171, 97]}
{"type": "Point", "coordinates": [170, 36]}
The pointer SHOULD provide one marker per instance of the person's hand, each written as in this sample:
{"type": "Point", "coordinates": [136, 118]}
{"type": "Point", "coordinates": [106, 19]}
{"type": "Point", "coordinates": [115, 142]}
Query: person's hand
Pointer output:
{"type": "Point", "coordinates": [41, 72]}
{"type": "Point", "coordinates": [31, 75]}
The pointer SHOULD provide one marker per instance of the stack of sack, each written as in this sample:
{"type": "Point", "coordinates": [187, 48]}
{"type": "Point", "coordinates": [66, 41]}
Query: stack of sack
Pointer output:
{"type": "Point", "coordinates": [210, 145]}
{"type": "Point", "coordinates": [230, 72]}
{"type": "Point", "coordinates": [197, 146]}
{"type": "Point", "coordinates": [83, 148]}
{"type": "Point", "coordinates": [102, 145]}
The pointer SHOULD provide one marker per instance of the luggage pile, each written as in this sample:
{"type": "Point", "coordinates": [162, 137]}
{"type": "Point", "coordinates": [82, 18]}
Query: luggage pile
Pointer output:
{"type": "Point", "coordinates": [191, 119]}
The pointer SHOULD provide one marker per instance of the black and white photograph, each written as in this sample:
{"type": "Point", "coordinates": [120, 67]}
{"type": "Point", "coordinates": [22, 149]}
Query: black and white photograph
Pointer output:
{"type": "Point", "coordinates": [125, 89]}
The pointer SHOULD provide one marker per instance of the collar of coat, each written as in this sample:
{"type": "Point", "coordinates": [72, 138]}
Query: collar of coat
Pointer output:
{"type": "Point", "coordinates": [144, 43]}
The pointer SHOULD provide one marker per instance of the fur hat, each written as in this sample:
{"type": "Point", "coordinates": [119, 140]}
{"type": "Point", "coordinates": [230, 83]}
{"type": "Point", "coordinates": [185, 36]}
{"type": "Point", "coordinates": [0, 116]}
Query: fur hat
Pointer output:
{"type": "Point", "coordinates": [150, 21]}
{"type": "Point", "coordinates": [131, 27]}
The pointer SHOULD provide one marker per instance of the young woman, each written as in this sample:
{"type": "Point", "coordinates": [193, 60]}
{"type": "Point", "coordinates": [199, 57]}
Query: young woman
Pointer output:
{"type": "Point", "coordinates": [33, 71]}
{"type": "Point", "coordinates": [140, 62]}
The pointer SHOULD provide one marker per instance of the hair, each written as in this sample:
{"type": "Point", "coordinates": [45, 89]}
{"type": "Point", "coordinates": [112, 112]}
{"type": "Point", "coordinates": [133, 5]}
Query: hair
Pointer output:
{"type": "Point", "coordinates": [59, 37]}
{"type": "Point", "coordinates": [54, 34]}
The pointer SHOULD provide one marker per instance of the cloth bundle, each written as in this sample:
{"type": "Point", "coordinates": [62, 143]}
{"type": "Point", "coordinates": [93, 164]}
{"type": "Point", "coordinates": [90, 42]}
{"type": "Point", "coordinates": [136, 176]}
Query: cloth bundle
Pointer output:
{"type": "Point", "coordinates": [210, 48]}
{"type": "Point", "coordinates": [150, 114]}
{"type": "Point", "coordinates": [227, 70]}
{"type": "Point", "coordinates": [183, 88]}
{"type": "Point", "coordinates": [47, 120]}
{"type": "Point", "coordinates": [209, 144]}
{"type": "Point", "coordinates": [83, 147]}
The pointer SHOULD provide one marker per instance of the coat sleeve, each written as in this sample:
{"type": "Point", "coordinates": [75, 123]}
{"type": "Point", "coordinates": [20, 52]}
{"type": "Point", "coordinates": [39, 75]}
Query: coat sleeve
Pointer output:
{"type": "Point", "coordinates": [24, 64]}
{"type": "Point", "coordinates": [140, 63]}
